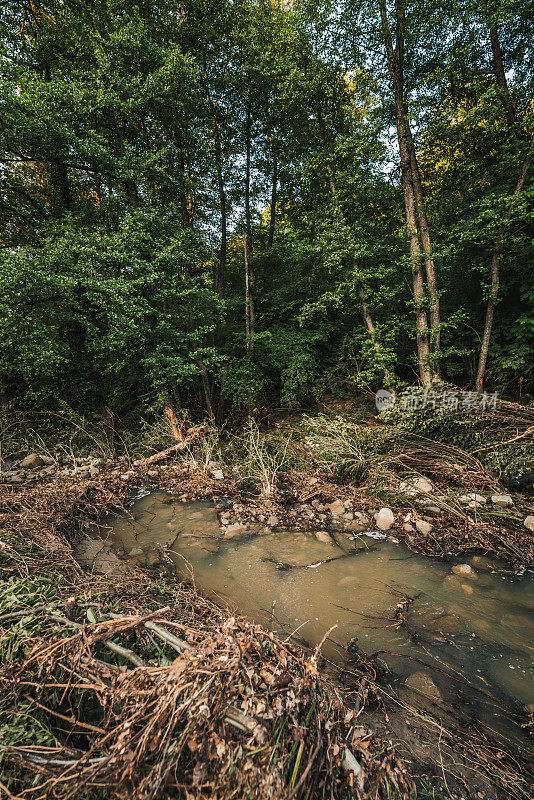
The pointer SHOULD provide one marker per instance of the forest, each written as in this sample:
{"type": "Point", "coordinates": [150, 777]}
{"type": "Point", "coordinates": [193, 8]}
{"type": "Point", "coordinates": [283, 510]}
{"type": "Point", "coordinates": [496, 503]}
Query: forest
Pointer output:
{"type": "Point", "coordinates": [266, 399]}
{"type": "Point", "coordinates": [221, 205]}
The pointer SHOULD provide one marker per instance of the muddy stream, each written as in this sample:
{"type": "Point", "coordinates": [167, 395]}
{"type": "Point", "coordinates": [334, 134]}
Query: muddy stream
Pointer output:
{"type": "Point", "coordinates": [465, 651]}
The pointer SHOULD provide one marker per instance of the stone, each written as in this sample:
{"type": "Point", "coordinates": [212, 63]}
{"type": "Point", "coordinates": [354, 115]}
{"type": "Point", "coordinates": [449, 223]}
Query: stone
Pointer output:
{"type": "Point", "coordinates": [349, 516]}
{"type": "Point", "coordinates": [272, 521]}
{"type": "Point", "coordinates": [363, 519]}
{"type": "Point", "coordinates": [323, 536]}
{"type": "Point", "coordinates": [93, 471]}
{"type": "Point", "coordinates": [234, 530]}
{"type": "Point", "coordinates": [528, 522]}
{"type": "Point", "coordinates": [424, 527]}
{"type": "Point", "coordinates": [465, 571]}
{"type": "Point", "coordinates": [422, 485]}
{"type": "Point", "coordinates": [152, 473]}
{"type": "Point", "coordinates": [447, 623]}
{"type": "Point", "coordinates": [135, 551]}
{"type": "Point", "coordinates": [477, 498]}
{"type": "Point", "coordinates": [32, 461]}
{"type": "Point", "coordinates": [408, 527]}
{"type": "Point", "coordinates": [503, 500]}
{"type": "Point", "coordinates": [423, 683]}
{"type": "Point", "coordinates": [467, 589]}
{"type": "Point", "coordinates": [336, 508]}
{"type": "Point", "coordinates": [217, 474]}
{"type": "Point", "coordinates": [385, 519]}
{"type": "Point", "coordinates": [125, 476]}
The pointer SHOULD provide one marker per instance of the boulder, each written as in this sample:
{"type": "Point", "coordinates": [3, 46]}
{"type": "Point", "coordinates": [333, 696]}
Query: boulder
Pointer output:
{"type": "Point", "coordinates": [503, 500]}
{"type": "Point", "coordinates": [424, 527]}
{"type": "Point", "coordinates": [32, 461]}
{"type": "Point", "coordinates": [385, 519]}
{"type": "Point", "coordinates": [465, 571]}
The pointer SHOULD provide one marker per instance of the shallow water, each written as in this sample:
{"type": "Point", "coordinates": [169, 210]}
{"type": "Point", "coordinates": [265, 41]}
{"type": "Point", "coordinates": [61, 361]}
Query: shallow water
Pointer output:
{"type": "Point", "coordinates": [480, 631]}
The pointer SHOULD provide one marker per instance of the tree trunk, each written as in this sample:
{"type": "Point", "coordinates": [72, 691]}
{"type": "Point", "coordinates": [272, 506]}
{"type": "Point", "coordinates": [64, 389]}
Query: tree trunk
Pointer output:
{"type": "Point", "coordinates": [274, 190]}
{"type": "Point", "coordinates": [430, 268]}
{"type": "Point", "coordinates": [495, 270]}
{"type": "Point", "coordinates": [369, 324]}
{"type": "Point", "coordinates": [500, 76]}
{"type": "Point", "coordinates": [396, 70]}
{"type": "Point", "coordinates": [221, 263]}
{"type": "Point", "coordinates": [247, 245]}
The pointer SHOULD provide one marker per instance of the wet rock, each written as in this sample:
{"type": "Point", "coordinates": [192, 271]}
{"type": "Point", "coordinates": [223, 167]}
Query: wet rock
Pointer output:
{"type": "Point", "coordinates": [385, 519]}
{"type": "Point", "coordinates": [485, 564]}
{"type": "Point", "coordinates": [467, 589]}
{"type": "Point", "coordinates": [424, 527]}
{"type": "Point", "coordinates": [465, 571]}
{"type": "Point", "coordinates": [323, 536]}
{"type": "Point", "coordinates": [423, 683]}
{"type": "Point", "coordinates": [272, 521]}
{"type": "Point", "coordinates": [32, 461]}
{"type": "Point", "coordinates": [529, 523]}
{"type": "Point", "coordinates": [447, 623]}
{"type": "Point", "coordinates": [232, 531]}
{"type": "Point", "coordinates": [503, 500]}
{"type": "Point", "coordinates": [336, 508]}
{"type": "Point", "coordinates": [217, 474]}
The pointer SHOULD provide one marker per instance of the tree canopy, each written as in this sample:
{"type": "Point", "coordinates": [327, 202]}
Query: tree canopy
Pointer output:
{"type": "Point", "coordinates": [215, 204]}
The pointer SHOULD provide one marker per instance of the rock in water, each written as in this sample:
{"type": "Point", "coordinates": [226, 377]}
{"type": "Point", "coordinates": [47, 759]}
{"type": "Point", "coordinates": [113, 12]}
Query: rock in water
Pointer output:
{"type": "Point", "coordinates": [423, 683]}
{"type": "Point", "coordinates": [385, 519]}
{"type": "Point", "coordinates": [465, 571]}
{"type": "Point", "coordinates": [323, 536]}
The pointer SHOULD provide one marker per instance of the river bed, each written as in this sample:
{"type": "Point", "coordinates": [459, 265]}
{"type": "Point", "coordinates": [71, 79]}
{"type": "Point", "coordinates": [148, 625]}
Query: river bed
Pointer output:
{"type": "Point", "coordinates": [465, 649]}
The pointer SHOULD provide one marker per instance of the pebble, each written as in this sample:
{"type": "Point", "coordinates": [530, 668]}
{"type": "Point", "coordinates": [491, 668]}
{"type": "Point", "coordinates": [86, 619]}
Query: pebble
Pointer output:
{"type": "Point", "coordinates": [529, 523]}
{"type": "Point", "coordinates": [385, 519]}
{"type": "Point", "coordinates": [424, 527]}
{"type": "Point", "coordinates": [336, 508]}
{"type": "Point", "coordinates": [422, 485]}
{"type": "Point", "coordinates": [217, 474]}
{"type": "Point", "coordinates": [503, 500]}
{"type": "Point", "coordinates": [273, 521]}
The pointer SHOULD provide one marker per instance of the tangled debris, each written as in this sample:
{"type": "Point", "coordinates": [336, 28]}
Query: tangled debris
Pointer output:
{"type": "Point", "coordinates": [138, 688]}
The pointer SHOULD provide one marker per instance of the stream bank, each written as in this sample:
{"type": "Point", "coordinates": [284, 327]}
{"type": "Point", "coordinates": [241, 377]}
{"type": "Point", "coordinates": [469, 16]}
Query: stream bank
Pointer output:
{"type": "Point", "coordinates": [40, 522]}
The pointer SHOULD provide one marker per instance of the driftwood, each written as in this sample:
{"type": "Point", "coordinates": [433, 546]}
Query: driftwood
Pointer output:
{"type": "Point", "coordinates": [179, 447]}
